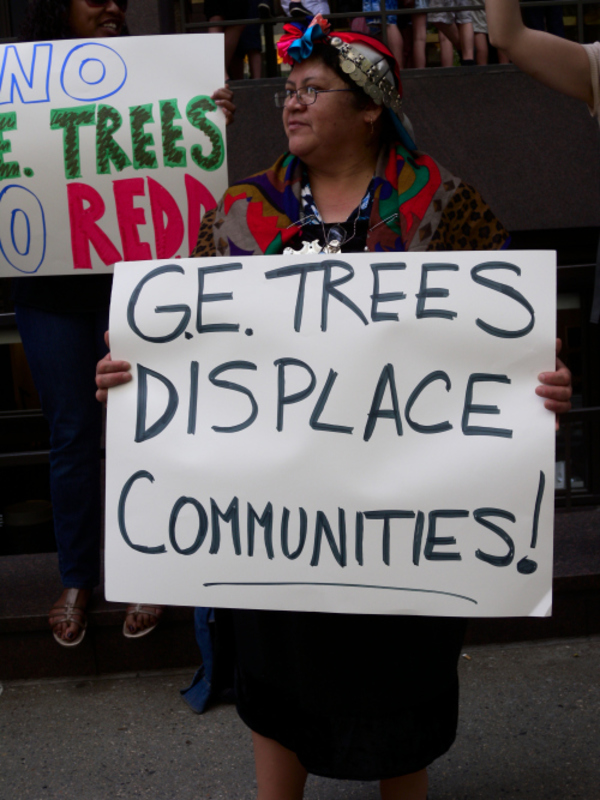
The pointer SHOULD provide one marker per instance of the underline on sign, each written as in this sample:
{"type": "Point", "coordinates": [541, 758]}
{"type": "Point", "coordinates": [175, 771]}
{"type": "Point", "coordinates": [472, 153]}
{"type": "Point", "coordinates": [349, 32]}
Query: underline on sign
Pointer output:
{"type": "Point", "coordinates": [341, 585]}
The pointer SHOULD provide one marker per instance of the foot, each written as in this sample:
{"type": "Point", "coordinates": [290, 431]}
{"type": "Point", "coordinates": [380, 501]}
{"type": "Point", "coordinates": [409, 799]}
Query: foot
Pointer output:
{"type": "Point", "coordinates": [297, 10]}
{"type": "Point", "coordinates": [141, 619]}
{"type": "Point", "coordinates": [264, 11]}
{"type": "Point", "coordinates": [67, 616]}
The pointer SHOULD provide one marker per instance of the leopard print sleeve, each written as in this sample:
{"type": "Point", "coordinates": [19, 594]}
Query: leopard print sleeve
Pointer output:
{"type": "Point", "coordinates": [468, 223]}
{"type": "Point", "coordinates": [205, 246]}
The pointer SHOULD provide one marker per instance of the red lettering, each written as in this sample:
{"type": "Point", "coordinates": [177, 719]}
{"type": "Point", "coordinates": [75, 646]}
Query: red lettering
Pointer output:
{"type": "Point", "coordinates": [130, 218]}
{"type": "Point", "coordinates": [86, 207]}
{"type": "Point", "coordinates": [169, 229]}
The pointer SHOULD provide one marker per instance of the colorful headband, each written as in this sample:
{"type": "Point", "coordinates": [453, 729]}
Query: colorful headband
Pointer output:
{"type": "Point", "coordinates": [298, 40]}
{"type": "Point", "coordinates": [364, 59]}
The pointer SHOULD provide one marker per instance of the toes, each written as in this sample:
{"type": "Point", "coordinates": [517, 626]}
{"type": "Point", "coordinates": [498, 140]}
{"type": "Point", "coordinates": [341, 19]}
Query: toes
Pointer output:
{"type": "Point", "coordinates": [130, 622]}
{"type": "Point", "coordinates": [70, 633]}
{"type": "Point", "coordinates": [139, 619]}
{"type": "Point", "coordinates": [67, 617]}
{"type": "Point", "coordinates": [65, 631]}
{"type": "Point", "coordinates": [144, 621]}
{"type": "Point", "coordinates": [59, 630]}
{"type": "Point", "coordinates": [137, 622]}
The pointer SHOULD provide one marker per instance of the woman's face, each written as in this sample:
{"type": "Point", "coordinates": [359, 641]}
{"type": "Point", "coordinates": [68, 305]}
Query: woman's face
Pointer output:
{"type": "Point", "coordinates": [88, 20]}
{"type": "Point", "coordinates": [327, 129]}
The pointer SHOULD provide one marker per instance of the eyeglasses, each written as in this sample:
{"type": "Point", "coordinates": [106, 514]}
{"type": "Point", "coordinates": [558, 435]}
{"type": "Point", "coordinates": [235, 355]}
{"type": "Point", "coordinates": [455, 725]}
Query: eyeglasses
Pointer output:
{"type": "Point", "coordinates": [305, 97]}
{"type": "Point", "coordinates": [100, 3]}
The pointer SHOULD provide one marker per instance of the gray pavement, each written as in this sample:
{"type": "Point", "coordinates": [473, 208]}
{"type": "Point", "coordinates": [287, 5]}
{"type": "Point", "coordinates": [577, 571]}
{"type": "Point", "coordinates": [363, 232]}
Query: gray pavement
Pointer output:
{"type": "Point", "coordinates": [530, 728]}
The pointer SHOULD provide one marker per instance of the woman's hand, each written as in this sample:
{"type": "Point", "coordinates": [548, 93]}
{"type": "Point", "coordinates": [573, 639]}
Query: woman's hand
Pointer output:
{"type": "Point", "coordinates": [223, 97]}
{"type": "Point", "coordinates": [556, 386]}
{"type": "Point", "coordinates": [110, 373]}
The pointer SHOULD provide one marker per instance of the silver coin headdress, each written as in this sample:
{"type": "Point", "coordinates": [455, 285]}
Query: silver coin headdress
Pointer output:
{"type": "Point", "coordinates": [370, 70]}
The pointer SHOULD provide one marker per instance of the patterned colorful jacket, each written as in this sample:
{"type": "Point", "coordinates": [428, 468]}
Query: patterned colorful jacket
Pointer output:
{"type": "Point", "coordinates": [418, 205]}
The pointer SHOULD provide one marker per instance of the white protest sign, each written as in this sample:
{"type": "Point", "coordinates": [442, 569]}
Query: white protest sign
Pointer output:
{"type": "Point", "coordinates": [110, 150]}
{"type": "Point", "coordinates": [355, 433]}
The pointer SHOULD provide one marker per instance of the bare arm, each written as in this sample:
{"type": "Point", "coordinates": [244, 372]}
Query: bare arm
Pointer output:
{"type": "Point", "coordinates": [558, 63]}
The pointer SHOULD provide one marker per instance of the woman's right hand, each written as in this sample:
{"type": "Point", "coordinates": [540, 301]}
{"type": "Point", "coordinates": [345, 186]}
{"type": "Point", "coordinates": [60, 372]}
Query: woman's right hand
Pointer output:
{"type": "Point", "coordinates": [110, 373]}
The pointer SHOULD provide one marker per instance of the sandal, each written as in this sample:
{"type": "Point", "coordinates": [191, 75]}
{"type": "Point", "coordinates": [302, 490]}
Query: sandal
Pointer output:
{"type": "Point", "coordinates": [70, 609]}
{"type": "Point", "coordinates": [141, 608]}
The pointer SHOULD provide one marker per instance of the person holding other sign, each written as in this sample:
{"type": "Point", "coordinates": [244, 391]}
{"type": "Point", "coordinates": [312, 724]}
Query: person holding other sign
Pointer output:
{"type": "Point", "coordinates": [67, 314]}
{"type": "Point", "coordinates": [359, 697]}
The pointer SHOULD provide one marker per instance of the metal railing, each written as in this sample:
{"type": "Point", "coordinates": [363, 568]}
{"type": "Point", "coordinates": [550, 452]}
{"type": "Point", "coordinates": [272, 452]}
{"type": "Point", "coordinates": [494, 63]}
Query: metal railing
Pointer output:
{"type": "Point", "coordinates": [574, 417]}
{"type": "Point", "coordinates": [269, 24]}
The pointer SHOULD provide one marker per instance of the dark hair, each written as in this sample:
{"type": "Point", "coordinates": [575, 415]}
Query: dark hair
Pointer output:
{"type": "Point", "coordinates": [329, 55]}
{"type": "Point", "coordinates": [49, 20]}
{"type": "Point", "coordinates": [46, 19]}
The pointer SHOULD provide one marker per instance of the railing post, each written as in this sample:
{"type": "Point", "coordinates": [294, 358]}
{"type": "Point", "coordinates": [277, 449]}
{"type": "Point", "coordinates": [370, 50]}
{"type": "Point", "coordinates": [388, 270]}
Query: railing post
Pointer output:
{"type": "Point", "coordinates": [580, 21]}
{"type": "Point", "coordinates": [568, 471]}
{"type": "Point", "coordinates": [182, 16]}
{"type": "Point", "coordinates": [383, 9]}
{"type": "Point", "coordinates": [270, 57]}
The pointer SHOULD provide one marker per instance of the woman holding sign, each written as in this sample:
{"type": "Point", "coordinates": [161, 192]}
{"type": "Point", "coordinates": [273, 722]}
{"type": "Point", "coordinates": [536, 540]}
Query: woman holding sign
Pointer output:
{"type": "Point", "coordinates": [70, 314]}
{"type": "Point", "coordinates": [362, 697]}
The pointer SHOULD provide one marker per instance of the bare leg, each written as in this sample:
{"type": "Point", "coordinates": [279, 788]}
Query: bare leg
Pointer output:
{"type": "Point", "coordinates": [446, 51]}
{"type": "Point", "coordinates": [235, 71]}
{"type": "Point", "coordinates": [396, 43]}
{"type": "Point", "coordinates": [407, 787]}
{"type": "Point", "coordinates": [219, 29]}
{"type": "Point", "coordinates": [466, 36]}
{"type": "Point", "coordinates": [451, 31]}
{"type": "Point", "coordinates": [216, 28]}
{"type": "Point", "coordinates": [481, 49]}
{"type": "Point", "coordinates": [255, 62]}
{"type": "Point", "coordinates": [420, 40]}
{"type": "Point", "coordinates": [232, 37]}
{"type": "Point", "coordinates": [407, 41]}
{"type": "Point", "coordinates": [279, 774]}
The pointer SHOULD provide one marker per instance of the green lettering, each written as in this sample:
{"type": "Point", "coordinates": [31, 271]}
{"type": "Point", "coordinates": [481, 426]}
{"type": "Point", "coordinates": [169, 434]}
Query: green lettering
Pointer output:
{"type": "Point", "coordinates": [107, 150]}
{"type": "Point", "coordinates": [195, 112]}
{"type": "Point", "coordinates": [142, 157]}
{"type": "Point", "coordinates": [173, 156]}
{"type": "Point", "coordinates": [70, 120]}
{"type": "Point", "coordinates": [8, 169]}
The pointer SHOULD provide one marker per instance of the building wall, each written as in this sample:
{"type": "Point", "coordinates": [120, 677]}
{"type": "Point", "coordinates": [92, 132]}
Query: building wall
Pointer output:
{"type": "Point", "coordinates": [143, 17]}
{"type": "Point", "coordinates": [532, 153]}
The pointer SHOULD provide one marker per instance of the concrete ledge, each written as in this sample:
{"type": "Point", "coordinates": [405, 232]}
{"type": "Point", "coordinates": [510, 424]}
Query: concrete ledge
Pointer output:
{"type": "Point", "coordinates": [30, 583]}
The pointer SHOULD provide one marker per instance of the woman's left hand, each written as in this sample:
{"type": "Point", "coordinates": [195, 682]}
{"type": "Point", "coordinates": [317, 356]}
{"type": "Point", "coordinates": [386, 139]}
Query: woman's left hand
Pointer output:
{"type": "Point", "coordinates": [556, 386]}
{"type": "Point", "coordinates": [223, 97]}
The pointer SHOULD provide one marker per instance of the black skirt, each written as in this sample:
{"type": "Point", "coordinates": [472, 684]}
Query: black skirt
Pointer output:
{"type": "Point", "coordinates": [357, 697]}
